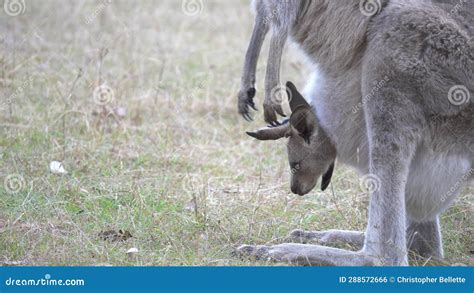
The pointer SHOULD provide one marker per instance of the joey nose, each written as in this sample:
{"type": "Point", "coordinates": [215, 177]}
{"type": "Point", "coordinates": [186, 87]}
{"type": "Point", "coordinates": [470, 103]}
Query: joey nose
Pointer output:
{"type": "Point", "coordinates": [295, 188]}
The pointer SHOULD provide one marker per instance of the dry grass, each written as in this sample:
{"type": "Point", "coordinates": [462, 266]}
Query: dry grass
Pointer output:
{"type": "Point", "coordinates": [176, 171]}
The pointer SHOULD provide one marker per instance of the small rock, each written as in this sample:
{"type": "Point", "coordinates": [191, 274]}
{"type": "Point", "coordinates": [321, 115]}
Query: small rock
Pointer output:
{"type": "Point", "coordinates": [57, 168]}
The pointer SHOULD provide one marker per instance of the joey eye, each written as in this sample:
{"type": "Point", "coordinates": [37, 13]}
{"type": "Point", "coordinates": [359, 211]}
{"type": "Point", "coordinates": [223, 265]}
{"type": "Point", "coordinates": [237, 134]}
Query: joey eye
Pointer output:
{"type": "Point", "coordinates": [295, 167]}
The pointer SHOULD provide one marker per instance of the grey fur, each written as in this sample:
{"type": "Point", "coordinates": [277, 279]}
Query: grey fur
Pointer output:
{"type": "Point", "coordinates": [383, 108]}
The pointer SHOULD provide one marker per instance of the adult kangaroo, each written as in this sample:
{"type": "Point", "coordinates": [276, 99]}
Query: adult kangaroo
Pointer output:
{"type": "Point", "coordinates": [395, 103]}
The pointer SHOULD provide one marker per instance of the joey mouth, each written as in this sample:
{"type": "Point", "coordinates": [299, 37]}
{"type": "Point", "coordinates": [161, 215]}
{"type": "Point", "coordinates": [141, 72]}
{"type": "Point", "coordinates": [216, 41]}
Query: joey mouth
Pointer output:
{"type": "Point", "coordinates": [303, 189]}
{"type": "Point", "coordinates": [298, 191]}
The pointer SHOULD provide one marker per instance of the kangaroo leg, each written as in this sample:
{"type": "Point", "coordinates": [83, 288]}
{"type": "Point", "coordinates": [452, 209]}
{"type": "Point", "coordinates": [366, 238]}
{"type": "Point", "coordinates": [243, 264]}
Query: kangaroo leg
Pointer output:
{"type": "Point", "coordinates": [328, 238]}
{"type": "Point", "coordinates": [247, 89]}
{"type": "Point", "coordinates": [422, 238]}
{"type": "Point", "coordinates": [425, 239]}
{"type": "Point", "coordinates": [305, 254]}
{"type": "Point", "coordinates": [273, 89]}
{"type": "Point", "coordinates": [394, 128]}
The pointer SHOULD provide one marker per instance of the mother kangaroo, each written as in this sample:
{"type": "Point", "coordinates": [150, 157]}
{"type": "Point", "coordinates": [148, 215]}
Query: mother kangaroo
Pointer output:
{"type": "Point", "coordinates": [398, 79]}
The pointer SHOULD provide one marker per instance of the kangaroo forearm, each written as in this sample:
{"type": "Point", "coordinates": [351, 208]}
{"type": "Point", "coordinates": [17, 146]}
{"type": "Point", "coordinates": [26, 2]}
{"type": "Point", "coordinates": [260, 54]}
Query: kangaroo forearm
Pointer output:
{"type": "Point", "coordinates": [253, 52]}
{"type": "Point", "coordinates": [272, 79]}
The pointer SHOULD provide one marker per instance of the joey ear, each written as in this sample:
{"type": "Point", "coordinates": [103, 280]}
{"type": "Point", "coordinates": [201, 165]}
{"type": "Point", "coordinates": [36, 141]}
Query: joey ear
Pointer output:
{"type": "Point", "coordinates": [296, 99]}
{"type": "Point", "coordinates": [303, 120]}
{"type": "Point", "coordinates": [327, 178]}
{"type": "Point", "coordinates": [270, 133]}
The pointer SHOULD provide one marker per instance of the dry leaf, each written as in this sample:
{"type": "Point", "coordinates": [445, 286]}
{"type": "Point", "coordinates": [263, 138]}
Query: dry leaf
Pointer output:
{"type": "Point", "coordinates": [132, 253]}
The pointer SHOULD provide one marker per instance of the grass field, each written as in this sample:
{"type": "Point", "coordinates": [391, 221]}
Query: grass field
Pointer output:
{"type": "Point", "coordinates": [160, 152]}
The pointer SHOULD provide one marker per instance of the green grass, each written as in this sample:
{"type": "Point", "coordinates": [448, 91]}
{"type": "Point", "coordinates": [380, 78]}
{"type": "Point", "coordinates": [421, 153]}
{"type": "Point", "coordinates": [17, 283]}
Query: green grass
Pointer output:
{"type": "Point", "coordinates": [177, 171]}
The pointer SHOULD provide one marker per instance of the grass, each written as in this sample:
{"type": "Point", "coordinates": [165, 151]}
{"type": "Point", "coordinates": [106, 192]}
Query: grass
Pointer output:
{"type": "Point", "coordinates": [176, 170]}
